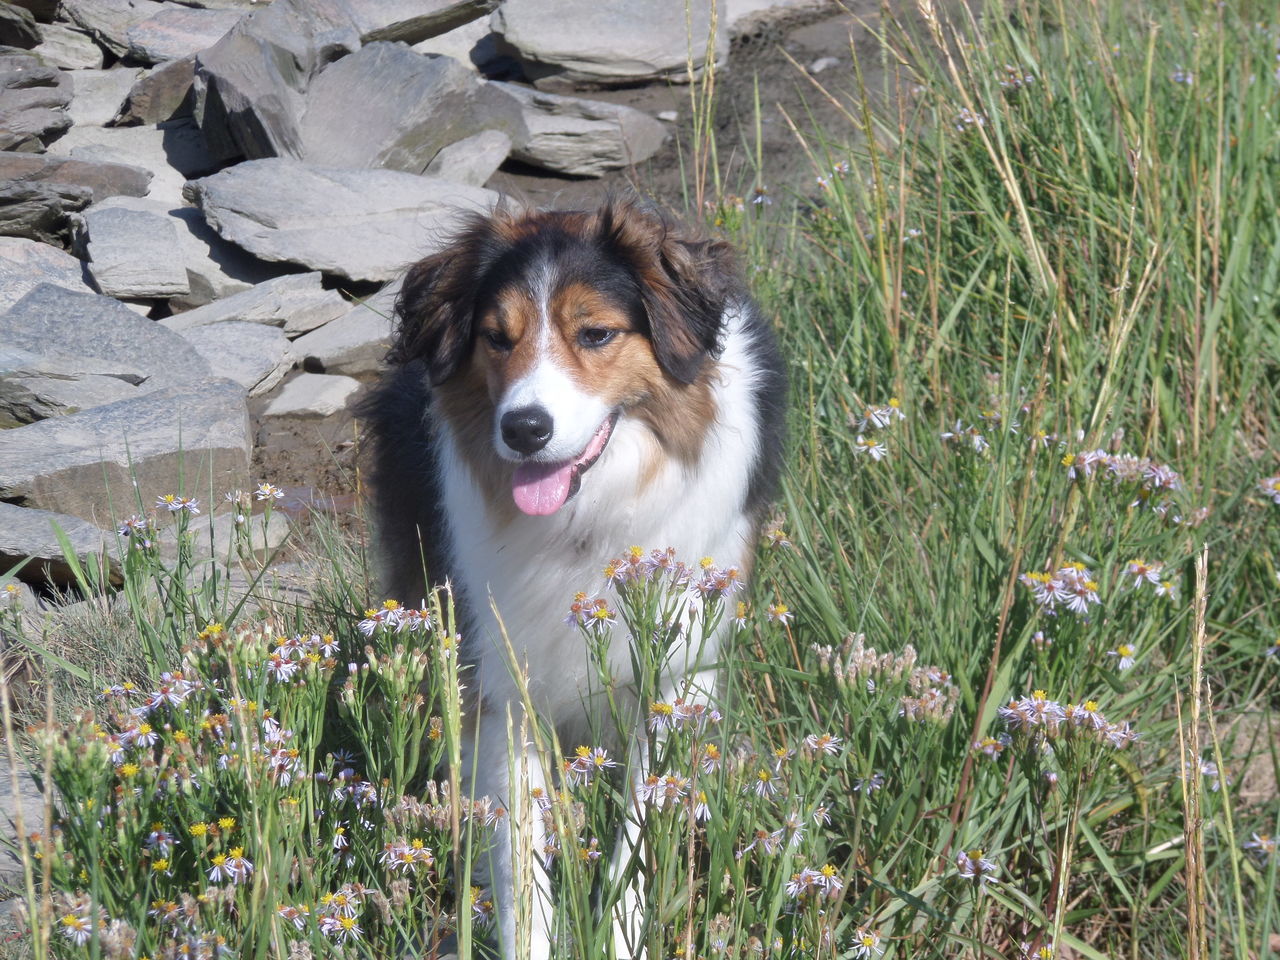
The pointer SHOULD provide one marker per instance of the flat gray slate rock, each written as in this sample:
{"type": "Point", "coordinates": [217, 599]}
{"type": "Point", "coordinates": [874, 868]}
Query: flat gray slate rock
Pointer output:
{"type": "Point", "coordinates": [356, 343]}
{"type": "Point", "coordinates": [401, 109]}
{"type": "Point", "coordinates": [313, 395]}
{"type": "Point", "coordinates": [25, 264]}
{"type": "Point", "coordinates": [473, 160]}
{"type": "Point", "coordinates": [607, 41]}
{"type": "Point", "coordinates": [132, 253]}
{"type": "Point", "coordinates": [99, 94]}
{"type": "Point", "coordinates": [108, 21]}
{"type": "Point", "coordinates": [30, 533]}
{"type": "Point", "coordinates": [102, 179]}
{"type": "Point", "coordinates": [176, 31]}
{"type": "Point", "coordinates": [68, 48]}
{"type": "Point", "coordinates": [255, 356]}
{"type": "Point", "coordinates": [295, 302]}
{"type": "Point", "coordinates": [28, 399]}
{"type": "Point", "coordinates": [100, 329]}
{"type": "Point", "coordinates": [159, 94]}
{"type": "Point", "coordinates": [178, 439]}
{"type": "Point", "coordinates": [33, 102]}
{"type": "Point", "coordinates": [585, 138]}
{"type": "Point", "coordinates": [359, 224]}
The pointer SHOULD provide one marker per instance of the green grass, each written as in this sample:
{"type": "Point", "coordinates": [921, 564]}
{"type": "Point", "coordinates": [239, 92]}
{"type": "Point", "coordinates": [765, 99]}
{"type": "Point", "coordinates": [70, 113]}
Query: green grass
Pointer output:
{"type": "Point", "coordinates": [1093, 267]}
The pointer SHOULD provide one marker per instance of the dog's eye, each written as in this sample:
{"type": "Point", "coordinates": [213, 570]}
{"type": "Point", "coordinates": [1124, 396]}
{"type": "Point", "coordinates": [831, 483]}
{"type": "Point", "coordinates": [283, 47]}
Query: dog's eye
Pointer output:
{"type": "Point", "coordinates": [595, 336]}
{"type": "Point", "coordinates": [498, 340]}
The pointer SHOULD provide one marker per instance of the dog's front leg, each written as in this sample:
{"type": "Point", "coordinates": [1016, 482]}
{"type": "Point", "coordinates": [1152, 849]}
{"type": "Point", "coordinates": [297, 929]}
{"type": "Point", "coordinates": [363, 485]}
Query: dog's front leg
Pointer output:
{"type": "Point", "coordinates": [506, 767]}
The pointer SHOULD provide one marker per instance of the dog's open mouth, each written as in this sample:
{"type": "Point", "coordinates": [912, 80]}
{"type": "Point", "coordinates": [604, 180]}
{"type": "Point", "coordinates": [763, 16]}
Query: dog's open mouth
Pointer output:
{"type": "Point", "coordinates": [541, 489]}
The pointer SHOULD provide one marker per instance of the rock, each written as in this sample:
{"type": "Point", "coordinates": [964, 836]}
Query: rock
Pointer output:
{"type": "Point", "coordinates": [30, 533]}
{"type": "Point", "coordinates": [355, 343]}
{"type": "Point", "coordinates": [411, 21]}
{"type": "Point", "coordinates": [68, 48]}
{"type": "Point", "coordinates": [265, 533]}
{"type": "Point", "coordinates": [108, 21]}
{"type": "Point", "coordinates": [132, 253]}
{"type": "Point", "coordinates": [159, 94]}
{"type": "Point", "coordinates": [823, 63]}
{"type": "Point", "coordinates": [585, 138]}
{"type": "Point", "coordinates": [215, 267]}
{"type": "Point", "coordinates": [473, 44]}
{"type": "Point", "coordinates": [173, 152]}
{"type": "Point", "coordinates": [668, 116]}
{"type": "Point", "coordinates": [18, 27]}
{"type": "Point", "coordinates": [99, 95]}
{"type": "Point", "coordinates": [25, 264]}
{"type": "Point", "coordinates": [65, 366]}
{"type": "Point", "coordinates": [33, 103]}
{"type": "Point", "coordinates": [39, 211]}
{"type": "Point", "coordinates": [43, 10]}
{"type": "Point", "coordinates": [609, 42]}
{"type": "Point", "coordinates": [174, 32]}
{"type": "Point", "coordinates": [253, 355]}
{"type": "Point", "coordinates": [101, 179]}
{"type": "Point", "coordinates": [26, 399]}
{"type": "Point", "coordinates": [473, 160]}
{"type": "Point", "coordinates": [359, 224]}
{"type": "Point", "coordinates": [190, 437]}
{"type": "Point", "coordinates": [406, 107]}
{"type": "Point", "coordinates": [20, 820]}
{"type": "Point", "coordinates": [746, 17]}
{"type": "Point", "coordinates": [105, 335]}
{"type": "Point", "coordinates": [296, 303]}
{"type": "Point", "coordinates": [312, 395]}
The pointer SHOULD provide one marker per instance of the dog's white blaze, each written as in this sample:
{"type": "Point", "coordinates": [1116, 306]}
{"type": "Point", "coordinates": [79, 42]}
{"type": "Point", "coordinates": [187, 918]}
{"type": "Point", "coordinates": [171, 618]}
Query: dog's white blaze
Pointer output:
{"type": "Point", "coordinates": [575, 414]}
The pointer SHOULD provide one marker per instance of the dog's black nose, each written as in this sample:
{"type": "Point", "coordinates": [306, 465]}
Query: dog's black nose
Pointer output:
{"type": "Point", "coordinates": [527, 429]}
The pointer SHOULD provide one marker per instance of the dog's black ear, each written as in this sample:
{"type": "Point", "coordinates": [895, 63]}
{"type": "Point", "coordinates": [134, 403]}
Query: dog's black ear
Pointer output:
{"type": "Point", "coordinates": [436, 305]}
{"type": "Point", "coordinates": [685, 283]}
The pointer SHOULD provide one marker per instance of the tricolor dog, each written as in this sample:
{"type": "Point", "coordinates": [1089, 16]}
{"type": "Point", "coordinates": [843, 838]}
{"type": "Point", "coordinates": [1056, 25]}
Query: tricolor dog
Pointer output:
{"type": "Point", "coordinates": [564, 385]}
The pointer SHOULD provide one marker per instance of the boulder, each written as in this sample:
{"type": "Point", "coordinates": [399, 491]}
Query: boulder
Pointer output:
{"type": "Point", "coordinates": [253, 355]}
{"type": "Point", "coordinates": [174, 32]}
{"type": "Point", "coordinates": [215, 267]}
{"type": "Point", "coordinates": [359, 224]}
{"type": "Point", "coordinates": [411, 21]}
{"type": "Point", "coordinates": [28, 398]}
{"type": "Point", "coordinates": [101, 179]}
{"type": "Point", "coordinates": [38, 210]}
{"type": "Point", "coordinates": [312, 395]}
{"type": "Point", "coordinates": [746, 17]}
{"type": "Point", "coordinates": [473, 160]}
{"type": "Point", "coordinates": [99, 94]}
{"type": "Point", "coordinates": [473, 44]}
{"type": "Point", "coordinates": [43, 10]}
{"type": "Point", "coordinates": [18, 27]}
{"type": "Point", "coordinates": [585, 138]}
{"type": "Point", "coordinates": [108, 21]}
{"type": "Point", "coordinates": [25, 264]}
{"type": "Point", "coordinates": [103, 335]}
{"type": "Point", "coordinates": [132, 254]}
{"type": "Point", "coordinates": [406, 106]}
{"type": "Point", "coordinates": [266, 533]}
{"type": "Point", "coordinates": [355, 343]}
{"type": "Point", "coordinates": [68, 48]}
{"type": "Point", "coordinates": [33, 102]}
{"type": "Point", "coordinates": [194, 436]}
{"type": "Point", "coordinates": [160, 94]}
{"type": "Point", "coordinates": [608, 42]}
{"type": "Point", "coordinates": [31, 533]}
{"type": "Point", "coordinates": [296, 303]}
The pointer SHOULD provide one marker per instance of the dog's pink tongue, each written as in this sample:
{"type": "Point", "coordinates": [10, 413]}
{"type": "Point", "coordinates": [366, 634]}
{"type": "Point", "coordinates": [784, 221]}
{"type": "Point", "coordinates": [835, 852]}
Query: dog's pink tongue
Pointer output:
{"type": "Point", "coordinates": [540, 489]}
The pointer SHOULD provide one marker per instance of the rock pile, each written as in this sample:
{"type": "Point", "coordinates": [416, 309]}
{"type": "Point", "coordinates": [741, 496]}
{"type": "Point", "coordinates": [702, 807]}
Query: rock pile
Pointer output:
{"type": "Point", "coordinates": [199, 197]}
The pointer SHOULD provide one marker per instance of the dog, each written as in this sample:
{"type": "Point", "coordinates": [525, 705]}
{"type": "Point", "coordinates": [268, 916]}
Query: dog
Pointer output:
{"type": "Point", "coordinates": [561, 385]}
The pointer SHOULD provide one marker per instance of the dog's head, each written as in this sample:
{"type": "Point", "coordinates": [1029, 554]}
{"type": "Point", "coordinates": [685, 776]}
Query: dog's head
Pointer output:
{"type": "Point", "coordinates": [551, 326]}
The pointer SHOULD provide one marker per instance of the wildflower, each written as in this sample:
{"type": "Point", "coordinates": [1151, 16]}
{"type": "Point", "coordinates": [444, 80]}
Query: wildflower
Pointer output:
{"type": "Point", "coordinates": [701, 809]}
{"type": "Point", "coordinates": [1270, 487]}
{"type": "Point", "coordinates": [267, 491]}
{"type": "Point", "coordinates": [281, 670]}
{"type": "Point", "coordinates": [340, 928]}
{"type": "Point", "coordinates": [1015, 78]}
{"type": "Point", "coordinates": [586, 763]}
{"type": "Point", "coordinates": [868, 785]}
{"type": "Point", "coordinates": [1166, 588]}
{"type": "Point", "coordinates": [765, 783]}
{"type": "Point", "coordinates": [176, 504]}
{"type": "Point", "coordinates": [1209, 769]}
{"type": "Point", "coordinates": [823, 743]}
{"type": "Point", "coordinates": [962, 433]}
{"type": "Point", "coordinates": [870, 445]}
{"type": "Point", "coordinates": [1141, 571]}
{"type": "Point", "coordinates": [841, 168]}
{"type": "Point", "coordinates": [992, 746]}
{"type": "Point", "coordinates": [823, 183]}
{"type": "Point", "coordinates": [823, 882]}
{"type": "Point", "coordinates": [295, 915]}
{"type": "Point", "coordinates": [1182, 75]}
{"type": "Point", "coordinates": [974, 866]}
{"type": "Point", "coordinates": [481, 906]}
{"type": "Point", "coordinates": [740, 615]}
{"type": "Point", "coordinates": [76, 928]}
{"type": "Point", "coordinates": [778, 613]}
{"type": "Point", "coordinates": [159, 840]}
{"type": "Point", "coordinates": [866, 943]}
{"type": "Point", "coordinates": [879, 417]}
{"type": "Point", "coordinates": [967, 119]}
{"type": "Point", "coordinates": [760, 196]}
{"type": "Point", "coordinates": [661, 716]}
{"type": "Point", "coordinates": [1124, 654]}
{"type": "Point", "coordinates": [1263, 844]}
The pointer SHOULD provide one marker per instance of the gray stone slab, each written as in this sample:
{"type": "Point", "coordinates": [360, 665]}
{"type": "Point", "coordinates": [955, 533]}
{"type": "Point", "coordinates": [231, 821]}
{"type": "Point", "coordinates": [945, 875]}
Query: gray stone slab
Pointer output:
{"type": "Point", "coordinates": [102, 179]}
{"type": "Point", "coordinates": [108, 21]}
{"type": "Point", "coordinates": [50, 319]}
{"type": "Point", "coordinates": [253, 355]}
{"type": "Point", "coordinates": [356, 343]}
{"type": "Point", "coordinates": [585, 138]}
{"type": "Point", "coordinates": [186, 437]}
{"type": "Point", "coordinates": [27, 399]}
{"type": "Point", "coordinates": [359, 224]}
{"type": "Point", "coordinates": [68, 48]}
{"type": "Point", "coordinates": [608, 42]}
{"type": "Point", "coordinates": [39, 210]}
{"type": "Point", "coordinates": [406, 107]}
{"type": "Point", "coordinates": [25, 264]}
{"type": "Point", "coordinates": [33, 102]}
{"type": "Point", "coordinates": [265, 533]}
{"type": "Point", "coordinates": [411, 21]}
{"type": "Point", "coordinates": [99, 94]}
{"type": "Point", "coordinates": [18, 27]}
{"type": "Point", "coordinates": [159, 94]}
{"type": "Point", "coordinates": [473, 44]}
{"type": "Point", "coordinates": [132, 253]}
{"type": "Point", "coordinates": [296, 303]}
{"type": "Point", "coordinates": [25, 532]}
{"type": "Point", "coordinates": [43, 10]}
{"type": "Point", "coordinates": [175, 31]}
{"type": "Point", "coordinates": [312, 395]}
{"type": "Point", "coordinates": [473, 160]}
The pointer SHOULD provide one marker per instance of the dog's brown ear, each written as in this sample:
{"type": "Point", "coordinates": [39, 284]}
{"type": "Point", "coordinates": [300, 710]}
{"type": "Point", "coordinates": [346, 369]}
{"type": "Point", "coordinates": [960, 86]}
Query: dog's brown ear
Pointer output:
{"type": "Point", "coordinates": [436, 304]}
{"type": "Point", "coordinates": [685, 283]}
